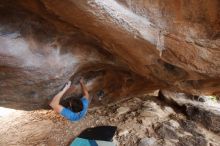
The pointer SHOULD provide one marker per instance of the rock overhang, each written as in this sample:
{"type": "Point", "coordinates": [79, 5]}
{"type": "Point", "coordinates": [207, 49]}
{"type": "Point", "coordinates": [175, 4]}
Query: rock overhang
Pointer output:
{"type": "Point", "coordinates": [121, 48]}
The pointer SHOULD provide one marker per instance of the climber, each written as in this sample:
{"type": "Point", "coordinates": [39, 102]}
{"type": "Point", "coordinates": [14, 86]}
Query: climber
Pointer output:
{"type": "Point", "coordinates": [69, 113]}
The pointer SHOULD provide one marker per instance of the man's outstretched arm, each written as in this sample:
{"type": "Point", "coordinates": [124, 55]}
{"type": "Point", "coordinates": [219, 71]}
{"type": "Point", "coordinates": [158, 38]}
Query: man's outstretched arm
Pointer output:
{"type": "Point", "coordinates": [84, 89]}
{"type": "Point", "coordinates": [55, 103]}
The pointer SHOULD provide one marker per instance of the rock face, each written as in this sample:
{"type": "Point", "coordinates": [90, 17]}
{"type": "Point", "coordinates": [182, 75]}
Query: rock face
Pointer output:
{"type": "Point", "coordinates": [120, 47]}
{"type": "Point", "coordinates": [209, 119]}
{"type": "Point", "coordinates": [205, 113]}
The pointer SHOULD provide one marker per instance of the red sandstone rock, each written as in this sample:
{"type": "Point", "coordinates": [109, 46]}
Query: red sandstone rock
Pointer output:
{"type": "Point", "coordinates": [121, 47]}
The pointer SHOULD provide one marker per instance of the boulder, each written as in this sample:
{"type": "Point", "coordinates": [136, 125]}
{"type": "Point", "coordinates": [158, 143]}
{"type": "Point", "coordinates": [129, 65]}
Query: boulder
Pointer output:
{"type": "Point", "coordinates": [205, 113]}
{"type": "Point", "coordinates": [122, 110]}
{"type": "Point", "coordinates": [172, 131]}
{"type": "Point", "coordinates": [123, 48]}
{"type": "Point", "coordinates": [148, 142]}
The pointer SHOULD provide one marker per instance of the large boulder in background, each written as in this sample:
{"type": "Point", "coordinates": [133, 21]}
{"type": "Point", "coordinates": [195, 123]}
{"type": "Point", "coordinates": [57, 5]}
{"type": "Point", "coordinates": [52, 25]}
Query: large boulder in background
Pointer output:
{"type": "Point", "coordinates": [206, 113]}
{"type": "Point", "coordinates": [120, 47]}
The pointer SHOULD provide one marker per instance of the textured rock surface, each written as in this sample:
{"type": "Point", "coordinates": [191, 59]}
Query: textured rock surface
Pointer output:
{"type": "Point", "coordinates": [121, 47]}
{"type": "Point", "coordinates": [204, 113]}
{"type": "Point", "coordinates": [45, 127]}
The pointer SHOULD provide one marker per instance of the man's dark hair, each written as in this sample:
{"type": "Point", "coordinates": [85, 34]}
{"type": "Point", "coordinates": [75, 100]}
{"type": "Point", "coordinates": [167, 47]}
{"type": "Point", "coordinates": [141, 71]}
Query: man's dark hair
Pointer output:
{"type": "Point", "coordinates": [73, 104]}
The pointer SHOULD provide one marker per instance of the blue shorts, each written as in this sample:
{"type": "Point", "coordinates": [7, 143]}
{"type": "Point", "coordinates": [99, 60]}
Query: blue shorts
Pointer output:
{"type": "Point", "coordinates": [72, 116]}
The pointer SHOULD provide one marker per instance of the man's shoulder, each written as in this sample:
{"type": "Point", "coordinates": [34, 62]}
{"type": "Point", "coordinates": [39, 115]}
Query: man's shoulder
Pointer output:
{"type": "Point", "coordinates": [84, 100]}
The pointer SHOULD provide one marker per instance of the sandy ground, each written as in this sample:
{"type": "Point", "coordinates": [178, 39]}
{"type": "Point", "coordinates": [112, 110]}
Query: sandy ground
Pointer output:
{"type": "Point", "coordinates": [135, 118]}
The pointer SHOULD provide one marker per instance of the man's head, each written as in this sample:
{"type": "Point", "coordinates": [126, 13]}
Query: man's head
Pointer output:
{"type": "Point", "coordinates": [74, 104]}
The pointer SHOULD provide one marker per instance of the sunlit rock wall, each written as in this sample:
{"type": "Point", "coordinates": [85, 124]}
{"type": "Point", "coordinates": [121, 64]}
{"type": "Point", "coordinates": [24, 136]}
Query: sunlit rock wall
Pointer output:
{"type": "Point", "coordinates": [122, 48]}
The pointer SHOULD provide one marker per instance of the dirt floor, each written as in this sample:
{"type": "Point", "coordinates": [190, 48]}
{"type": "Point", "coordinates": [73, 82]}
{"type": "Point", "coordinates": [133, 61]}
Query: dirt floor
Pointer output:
{"type": "Point", "coordinates": [140, 121]}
